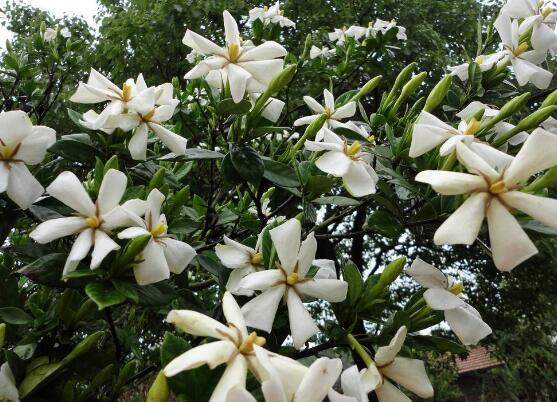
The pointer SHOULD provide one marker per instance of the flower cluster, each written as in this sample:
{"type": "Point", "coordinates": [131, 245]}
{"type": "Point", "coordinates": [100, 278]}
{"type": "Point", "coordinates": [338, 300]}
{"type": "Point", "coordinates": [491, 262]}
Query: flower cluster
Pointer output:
{"type": "Point", "coordinates": [340, 36]}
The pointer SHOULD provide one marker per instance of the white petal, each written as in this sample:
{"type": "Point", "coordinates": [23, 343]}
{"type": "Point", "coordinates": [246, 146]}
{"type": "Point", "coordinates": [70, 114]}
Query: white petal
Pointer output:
{"type": "Point", "coordinates": [132, 233]}
{"type": "Point", "coordinates": [239, 394]}
{"type": "Point", "coordinates": [80, 249]}
{"type": "Point", "coordinates": [23, 188]}
{"type": "Point", "coordinates": [267, 50]}
{"type": "Point", "coordinates": [232, 34]}
{"type": "Point", "coordinates": [263, 280]}
{"type": "Point", "coordinates": [504, 28]}
{"type": "Point", "coordinates": [526, 71]}
{"type": "Point", "coordinates": [198, 324]}
{"type": "Point", "coordinates": [68, 189]}
{"type": "Point", "coordinates": [352, 384]}
{"type": "Point", "coordinates": [8, 389]}
{"type": "Point", "coordinates": [426, 137]}
{"type": "Point", "coordinates": [271, 384]}
{"type": "Point", "coordinates": [238, 78]}
{"type": "Point", "coordinates": [452, 183]}
{"type": "Point", "coordinates": [234, 279]}
{"type": "Point", "coordinates": [153, 268]}
{"type": "Point", "coordinates": [442, 299]}
{"type": "Point", "coordinates": [302, 121]}
{"type": "Point", "coordinates": [4, 177]}
{"type": "Point", "coordinates": [263, 70]}
{"type": "Point", "coordinates": [137, 144]}
{"type": "Point", "coordinates": [306, 255]}
{"type": "Point", "coordinates": [176, 143]}
{"type": "Point", "coordinates": [286, 239]}
{"type": "Point", "coordinates": [319, 379]}
{"type": "Point", "coordinates": [345, 111]}
{"type": "Point", "coordinates": [386, 354]}
{"type": "Point", "coordinates": [233, 314]}
{"type": "Point", "coordinates": [178, 254]}
{"type": "Point", "coordinates": [449, 146]}
{"type": "Point", "coordinates": [543, 37]}
{"type": "Point", "coordinates": [260, 311]}
{"type": "Point", "coordinates": [290, 371]}
{"type": "Point", "coordinates": [212, 354]}
{"type": "Point", "coordinates": [56, 228]}
{"type": "Point", "coordinates": [154, 204]}
{"type": "Point", "coordinates": [427, 275]}
{"type": "Point", "coordinates": [102, 247]}
{"type": "Point", "coordinates": [327, 269]}
{"type": "Point", "coordinates": [112, 190]}
{"type": "Point", "coordinates": [510, 245]}
{"type": "Point", "coordinates": [538, 153]}
{"type": "Point", "coordinates": [33, 148]}
{"type": "Point", "coordinates": [334, 162]}
{"type": "Point", "coordinates": [331, 290]}
{"type": "Point", "coordinates": [389, 393]}
{"type": "Point", "coordinates": [234, 375]}
{"type": "Point", "coordinates": [313, 104]}
{"type": "Point", "coordinates": [329, 99]}
{"type": "Point", "coordinates": [200, 44]}
{"type": "Point", "coordinates": [15, 126]}
{"type": "Point", "coordinates": [411, 374]}
{"type": "Point", "coordinates": [466, 325]}
{"type": "Point", "coordinates": [474, 163]}
{"type": "Point", "coordinates": [232, 257]}
{"type": "Point", "coordinates": [463, 226]}
{"type": "Point", "coordinates": [496, 159]}
{"type": "Point", "coordinates": [542, 209]}
{"type": "Point", "coordinates": [273, 110]}
{"type": "Point", "coordinates": [302, 326]}
{"type": "Point", "coordinates": [360, 181]}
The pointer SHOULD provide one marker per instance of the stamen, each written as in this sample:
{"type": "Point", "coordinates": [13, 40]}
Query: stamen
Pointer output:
{"type": "Point", "coordinates": [354, 148]}
{"type": "Point", "coordinates": [93, 222]}
{"type": "Point", "coordinates": [546, 11]}
{"type": "Point", "coordinates": [233, 52]}
{"type": "Point", "coordinates": [520, 49]}
{"type": "Point", "coordinates": [457, 288]}
{"type": "Point", "coordinates": [252, 339]}
{"type": "Point", "coordinates": [498, 188]}
{"type": "Point", "coordinates": [5, 152]}
{"type": "Point", "coordinates": [148, 116]}
{"type": "Point", "coordinates": [126, 92]}
{"type": "Point", "coordinates": [472, 127]}
{"type": "Point", "coordinates": [256, 259]}
{"type": "Point", "coordinates": [292, 278]}
{"type": "Point", "coordinates": [159, 229]}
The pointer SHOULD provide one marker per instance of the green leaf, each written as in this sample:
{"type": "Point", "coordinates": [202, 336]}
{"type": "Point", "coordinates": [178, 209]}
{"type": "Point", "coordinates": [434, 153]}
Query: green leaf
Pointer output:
{"type": "Point", "coordinates": [104, 294]}
{"type": "Point", "coordinates": [280, 173]}
{"type": "Point", "coordinates": [126, 289]}
{"type": "Point", "coordinates": [228, 171]}
{"type": "Point", "coordinates": [320, 184]}
{"type": "Point", "coordinates": [385, 224]}
{"type": "Point", "coordinates": [158, 294]}
{"type": "Point", "coordinates": [14, 315]}
{"type": "Point", "coordinates": [336, 200]}
{"type": "Point", "coordinates": [46, 270]}
{"type": "Point", "coordinates": [228, 106]}
{"type": "Point", "coordinates": [352, 276]}
{"type": "Point", "coordinates": [75, 148]}
{"type": "Point", "coordinates": [436, 343]}
{"type": "Point", "coordinates": [247, 163]}
{"type": "Point", "coordinates": [192, 154]}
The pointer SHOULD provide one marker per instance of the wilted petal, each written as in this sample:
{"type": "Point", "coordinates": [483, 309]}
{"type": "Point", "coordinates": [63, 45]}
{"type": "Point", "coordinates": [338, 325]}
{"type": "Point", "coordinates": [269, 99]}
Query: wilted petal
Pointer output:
{"type": "Point", "coordinates": [68, 189]}
{"type": "Point", "coordinates": [212, 354]}
{"type": "Point", "coordinates": [260, 311]}
{"type": "Point", "coordinates": [286, 239]}
{"type": "Point", "coordinates": [510, 245]}
{"type": "Point", "coordinates": [302, 325]}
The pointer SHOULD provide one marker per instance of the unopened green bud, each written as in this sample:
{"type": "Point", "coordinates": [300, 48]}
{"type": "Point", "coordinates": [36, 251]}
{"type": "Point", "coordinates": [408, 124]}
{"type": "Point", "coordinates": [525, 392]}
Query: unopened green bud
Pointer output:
{"type": "Point", "coordinates": [412, 86]}
{"type": "Point", "coordinates": [438, 93]}
{"type": "Point", "coordinates": [2, 334]}
{"type": "Point", "coordinates": [529, 122]}
{"type": "Point", "coordinates": [282, 79]}
{"type": "Point", "coordinates": [551, 99]}
{"type": "Point", "coordinates": [367, 88]}
{"type": "Point", "coordinates": [42, 28]}
{"type": "Point", "coordinates": [311, 131]}
{"type": "Point", "coordinates": [9, 47]}
{"type": "Point", "coordinates": [388, 276]}
{"type": "Point", "coordinates": [307, 45]}
{"type": "Point", "coordinates": [112, 163]}
{"type": "Point", "coordinates": [157, 180]}
{"type": "Point", "coordinates": [179, 199]}
{"type": "Point", "coordinates": [402, 77]}
{"type": "Point", "coordinates": [547, 180]}
{"type": "Point", "coordinates": [159, 391]}
{"type": "Point", "coordinates": [133, 249]}
{"type": "Point", "coordinates": [508, 109]}
{"type": "Point", "coordinates": [478, 115]}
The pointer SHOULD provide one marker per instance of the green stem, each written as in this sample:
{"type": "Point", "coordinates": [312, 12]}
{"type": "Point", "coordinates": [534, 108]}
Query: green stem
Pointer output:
{"type": "Point", "coordinates": [359, 349]}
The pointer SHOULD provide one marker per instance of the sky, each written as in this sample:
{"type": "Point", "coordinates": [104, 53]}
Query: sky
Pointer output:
{"type": "Point", "coordinates": [84, 8]}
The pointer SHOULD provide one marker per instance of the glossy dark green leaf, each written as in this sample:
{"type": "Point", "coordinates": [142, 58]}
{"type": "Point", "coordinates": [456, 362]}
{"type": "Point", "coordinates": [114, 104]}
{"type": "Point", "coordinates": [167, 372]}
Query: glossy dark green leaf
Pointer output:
{"type": "Point", "coordinates": [280, 174]}
{"type": "Point", "coordinates": [384, 223]}
{"type": "Point", "coordinates": [247, 163]}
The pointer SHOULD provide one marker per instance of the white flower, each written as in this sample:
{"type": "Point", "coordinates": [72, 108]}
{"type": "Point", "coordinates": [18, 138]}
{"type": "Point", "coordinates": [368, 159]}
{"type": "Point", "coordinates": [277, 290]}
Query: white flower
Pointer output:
{"type": "Point", "coordinates": [338, 36]}
{"type": "Point", "coordinates": [410, 373]}
{"type": "Point", "coordinates": [385, 26]}
{"type": "Point", "coordinates": [134, 96]}
{"type": "Point", "coordinates": [550, 125]}
{"type": "Point", "coordinates": [442, 294]}
{"type": "Point", "coordinates": [540, 16]}
{"type": "Point", "coordinates": [234, 347]}
{"type": "Point", "coordinates": [243, 260]}
{"type": "Point", "coordinates": [246, 68]}
{"type": "Point", "coordinates": [65, 32]}
{"type": "Point", "coordinates": [524, 62]}
{"type": "Point", "coordinates": [8, 389]}
{"type": "Point", "coordinates": [163, 254]}
{"type": "Point", "coordinates": [50, 34]}
{"type": "Point", "coordinates": [485, 62]}
{"type": "Point", "coordinates": [288, 282]}
{"type": "Point", "coordinates": [346, 161]}
{"type": "Point", "coordinates": [272, 109]}
{"type": "Point", "coordinates": [162, 109]}
{"type": "Point", "coordinates": [429, 132]}
{"type": "Point", "coordinates": [315, 385]}
{"type": "Point", "coordinates": [333, 115]}
{"type": "Point", "coordinates": [356, 32]}
{"type": "Point", "coordinates": [324, 52]}
{"type": "Point", "coordinates": [493, 195]}
{"type": "Point", "coordinates": [192, 56]}
{"type": "Point", "coordinates": [22, 144]}
{"type": "Point", "coordinates": [270, 15]}
{"type": "Point", "coordinates": [93, 221]}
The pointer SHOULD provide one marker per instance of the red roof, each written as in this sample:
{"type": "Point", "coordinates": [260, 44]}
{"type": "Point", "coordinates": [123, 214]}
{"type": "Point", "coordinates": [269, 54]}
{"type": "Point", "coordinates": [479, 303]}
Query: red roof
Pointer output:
{"type": "Point", "coordinates": [478, 358]}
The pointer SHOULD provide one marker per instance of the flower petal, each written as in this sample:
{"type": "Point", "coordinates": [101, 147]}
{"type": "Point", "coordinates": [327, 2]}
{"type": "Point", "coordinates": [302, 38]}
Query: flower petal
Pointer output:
{"type": "Point", "coordinates": [352, 386]}
{"type": "Point", "coordinates": [79, 251]}
{"type": "Point", "coordinates": [360, 181]}
{"type": "Point", "coordinates": [411, 374]}
{"type": "Point", "coordinates": [112, 190]}
{"type": "Point", "coordinates": [238, 78]}
{"type": "Point", "coordinates": [286, 239]}
{"type": "Point", "coordinates": [23, 188]}
{"type": "Point", "coordinates": [4, 177]}
{"type": "Point", "coordinates": [263, 70]}
{"type": "Point", "coordinates": [329, 99]}
{"type": "Point", "coordinates": [319, 379]}
{"type": "Point", "coordinates": [497, 159]}
{"type": "Point", "coordinates": [178, 254]}
{"type": "Point", "coordinates": [56, 228]}
{"type": "Point", "coordinates": [386, 354]}
{"type": "Point", "coordinates": [306, 255]}
{"type": "Point", "coordinates": [510, 245]}
{"type": "Point", "coordinates": [474, 163]}
{"type": "Point", "coordinates": [102, 247]}
{"type": "Point", "coordinates": [68, 189]}
{"type": "Point", "coordinates": [463, 226]}
{"type": "Point", "coordinates": [233, 314]}
{"type": "Point", "coordinates": [33, 148]}
{"type": "Point", "coordinates": [345, 111]}
{"type": "Point", "coordinates": [302, 326]}
{"type": "Point", "coordinates": [467, 326]}
{"type": "Point", "coordinates": [452, 183]}
{"type": "Point", "coordinates": [198, 324]}
{"type": "Point", "coordinates": [260, 311]}
{"type": "Point", "coordinates": [231, 32]}
{"type": "Point", "coordinates": [240, 394]}
{"type": "Point", "coordinates": [153, 268]}
{"type": "Point", "coordinates": [542, 209]}
{"type": "Point", "coordinates": [8, 389]}
{"type": "Point", "coordinates": [334, 162]}
{"type": "Point", "coordinates": [331, 290]}
{"type": "Point", "coordinates": [265, 51]}
{"type": "Point", "coordinates": [132, 233]}
{"type": "Point", "coordinates": [137, 144]}
{"type": "Point", "coordinates": [15, 125]}
{"type": "Point", "coordinates": [234, 279]}
{"type": "Point", "coordinates": [212, 354]}
{"type": "Point", "coordinates": [263, 280]}
{"type": "Point", "coordinates": [389, 393]}
{"type": "Point", "coordinates": [234, 375]}
{"type": "Point", "coordinates": [442, 299]}
{"type": "Point", "coordinates": [232, 256]}
{"type": "Point", "coordinates": [201, 44]}
{"type": "Point", "coordinates": [176, 143]}
{"type": "Point", "coordinates": [427, 275]}
{"type": "Point", "coordinates": [313, 104]}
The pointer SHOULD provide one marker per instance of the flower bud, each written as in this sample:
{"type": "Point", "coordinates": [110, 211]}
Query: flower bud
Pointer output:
{"type": "Point", "coordinates": [547, 180]}
{"type": "Point", "coordinates": [367, 88]}
{"type": "Point", "coordinates": [133, 249]}
{"type": "Point", "coordinates": [438, 93]}
{"type": "Point", "coordinates": [282, 79]}
{"type": "Point", "coordinates": [2, 334]}
{"type": "Point", "coordinates": [402, 77]}
{"type": "Point", "coordinates": [507, 110]}
{"type": "Point", "coordinates": [551, 99]}
{"type": "Point", "coordinates": [157, 180]}
{"type": "Point", "coordinates": [112, 163]}
{"type": "Point", "coordinates": [307, 45]}
{"type": "Point", "coordinates": [412, 86]}
{"type": "Point", "coordinates": [159, 391]}
{"type": "Point", "coordinates": [388, 276]}
{"type": "Point", "coordinates": [529, 122]}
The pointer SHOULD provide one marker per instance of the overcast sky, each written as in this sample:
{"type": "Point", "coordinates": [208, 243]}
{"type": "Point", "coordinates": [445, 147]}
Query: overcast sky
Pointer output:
{"type": "Point", "coordinates": [84, 8]}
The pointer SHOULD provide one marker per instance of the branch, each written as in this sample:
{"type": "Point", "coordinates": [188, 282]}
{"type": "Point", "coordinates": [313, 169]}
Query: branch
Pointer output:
{"type": "Point", "coordinates": [112, 327]}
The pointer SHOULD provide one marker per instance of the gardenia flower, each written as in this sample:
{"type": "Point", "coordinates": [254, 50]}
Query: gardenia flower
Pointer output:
{"type": "Point", "coordinates": [315, 385]}
{"type": "Point", "coordinates": [442, 294]}
{"type": "Point", "coordinates": [410, 373]}
{"type": "Point", "coordinates": [524, 62]}
{"type": "Point", "coordinates": [333, 115]}
{"type": "Point", "coordinates": [8, 389]}
{"type": "Point", "coordinates": [485, 62]}
{"type": "Point", "coordinates": [243, 260]}
{"type": "Point", "coordinates": [385, 26]}
{"type": "Point", "coordinates": [272, 109]}
{"type": "Point", "coordinates": [65, 32]}
{"type": "Point", "coordinates": [494, 194]}
{"type": "Point", "coordinates": [22, 144]}
{"type": "Point", "coordinates": [50, 34]}
{"type": "Point", "coordinates": [338, 36]}
{"type": "Point", "coordinates": [234, 347]}
{"type": "Point", "coordinates": [163, 254]}
{"type": "Point", "coordinates": [288, 283]}
{"type": "Point", "coordinates": [246, 68]}
{"type": "Point", "coordinates": [429, 132]}
{"type": "Point", "coordinates": [346, 161]}
{"type": "Point", "coordinates": [540, 16]}
{"type": "Point", "coordinates": [93, 222]}
{"type": "Point", "coordinates": [270, 15]}
{"type": "Point", "coordinates": [324, 52]}
{"type": "Point", "coordinates": [133, 96]}
{"type": "Point", "coordinates": [356, 32]}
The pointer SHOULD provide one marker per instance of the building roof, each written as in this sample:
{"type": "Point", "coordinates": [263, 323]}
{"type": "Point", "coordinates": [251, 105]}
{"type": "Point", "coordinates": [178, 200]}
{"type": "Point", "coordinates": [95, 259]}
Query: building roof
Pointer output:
{"type": "Point", "coordinates": [478, 359]}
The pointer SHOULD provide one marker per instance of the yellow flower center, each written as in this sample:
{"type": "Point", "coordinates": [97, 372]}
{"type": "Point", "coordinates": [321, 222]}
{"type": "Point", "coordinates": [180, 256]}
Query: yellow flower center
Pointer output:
{"type": "Point", "coordinates": [292, 278]}
{"type": "Point", "coordinates": [265, 8]}
{"type": "Point", "coordinates": [480, 59]}
{"type": "Point", "coordinates": [498, 188]}
{"type": "Point", "coordinates": [126, 92]}
{"type": "Point", "coordinates": [520, 49]}
{"type": "Point", "coordinates": [5, 152]}
{"type": "Point", "coordinates": [546, 11]}
{"type": "Point", "coordinates": [256, 259]}
{"type": "Point", "coordinates": [457, 288]}
{"type": "Point", "coordinates": [148, 116]}
{"type": "Point", "coordinates": [159, 229]}
{"type": "Point", "coordinates": [370, 24]}
{"type": "Point", "coordinates": [233, 52]}
{"type": "Point", "coordinates": [371, 139]}
{"type": "Point", "coordinates": [344, 28]}
{"type": "Point", "coordinates": [472, 127]}
{"type": "Point", "coordinates": [252, 339]}
{"type": "Point", "coordinates": [328, 112]}
{"type": "Point", "coordinates": [354, 148]}
{"type": "Point", "coordinates": [93, 222]}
